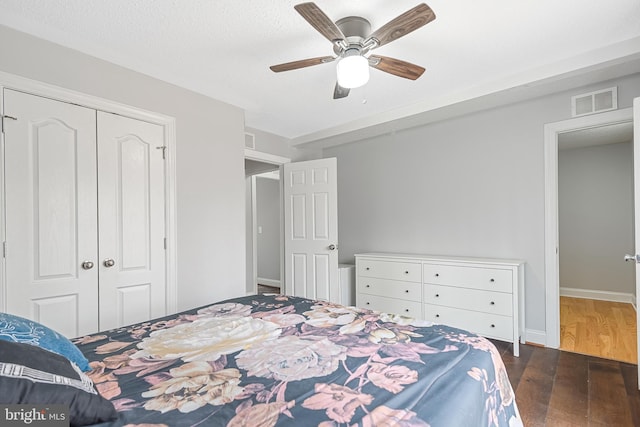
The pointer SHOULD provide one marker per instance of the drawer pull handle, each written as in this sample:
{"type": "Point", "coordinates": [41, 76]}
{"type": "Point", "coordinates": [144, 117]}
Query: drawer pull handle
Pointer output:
{"type": "Point", "coordinates": [493, 326]}
{"type": "Point", "coordinates": [437, 295]}
{"type": "Point", "coordinates": [368, 303]}
{"type": "Point", "coordinates": [406, 309]}
{"type": "Point", "coordinates": [492, 280]}
{"type": "Point", "coordinates": [368, 286]}
{"type": "Point", "coordinates": [367, 268]}
{"type": "Point", "coordinates": [437, 315]}
{"type": "Point", "coordinates": [406, 291]}
{"type": "Point", "coordinates": [493, 303]}
{"type": "Point", "coordinates": [406, 272]}
{"type": "Point", "coordinates": [437, 275]}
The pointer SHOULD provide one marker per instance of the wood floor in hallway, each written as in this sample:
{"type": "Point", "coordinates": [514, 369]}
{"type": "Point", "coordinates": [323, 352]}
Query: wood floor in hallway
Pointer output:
{"type": "Point", "coordinates": [599, 328]}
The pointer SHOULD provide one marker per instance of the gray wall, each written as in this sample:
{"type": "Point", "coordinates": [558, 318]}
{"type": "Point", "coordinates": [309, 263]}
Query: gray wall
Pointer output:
{"type": "Point", "coordinates": [595, 213]}
{"type": "Point", "coordinates": [472, 185]}
{"type": "Point", "coordinates": [268, 218]}
{"type": "Point", "coordinates": [210, 158]}
{"type": "Point", "coordinates": [269, 143]}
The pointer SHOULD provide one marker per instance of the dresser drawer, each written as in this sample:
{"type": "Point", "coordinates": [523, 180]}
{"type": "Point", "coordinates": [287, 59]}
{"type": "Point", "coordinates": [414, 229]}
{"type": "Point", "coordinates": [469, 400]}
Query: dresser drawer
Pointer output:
{"type": "Point", "coordinates": [469, 299]}
{"type": "Point", "coordinates": [411, 291]}
{"type": "Point", "coordinates": [408, 271]}
{"type": "Point", "coordinates": [390, 305]}
{"type": "Point", "coordinates": [486, 324]}
{"type": "Point", "coordinates": [490, 279]}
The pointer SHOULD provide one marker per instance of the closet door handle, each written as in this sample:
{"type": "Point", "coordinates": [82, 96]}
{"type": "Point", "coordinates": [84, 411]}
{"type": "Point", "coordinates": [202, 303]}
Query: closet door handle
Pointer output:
{"type": "Point", "coordinates": [87, 265]}
{"type": "Point", "coordinates": [109, 262]}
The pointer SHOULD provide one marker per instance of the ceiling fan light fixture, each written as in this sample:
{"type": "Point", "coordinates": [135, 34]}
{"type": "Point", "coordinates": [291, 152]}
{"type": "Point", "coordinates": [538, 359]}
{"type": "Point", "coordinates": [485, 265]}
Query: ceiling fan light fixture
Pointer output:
{"type": "Point", "coordinates": [352, 71]}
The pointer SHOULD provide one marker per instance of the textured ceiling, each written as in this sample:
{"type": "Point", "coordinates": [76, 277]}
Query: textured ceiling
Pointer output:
{"type": "Point", "coordinates": [600, 135]}
{"type": "Point", "coordinates": [223, 49]}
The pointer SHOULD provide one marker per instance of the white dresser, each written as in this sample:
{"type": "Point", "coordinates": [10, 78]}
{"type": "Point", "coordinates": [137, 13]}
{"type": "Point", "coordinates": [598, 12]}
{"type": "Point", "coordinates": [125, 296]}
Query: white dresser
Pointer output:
{"type": "Point", "coordinates": [481, 295]}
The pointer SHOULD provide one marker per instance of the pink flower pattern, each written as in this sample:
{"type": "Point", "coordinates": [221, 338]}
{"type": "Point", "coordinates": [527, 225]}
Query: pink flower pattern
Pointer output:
{"type": "Point", "coordinates": [339, 402]}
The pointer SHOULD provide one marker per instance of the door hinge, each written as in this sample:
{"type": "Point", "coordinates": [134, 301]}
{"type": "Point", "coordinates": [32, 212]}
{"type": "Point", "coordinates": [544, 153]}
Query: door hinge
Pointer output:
{"type": "Point", "coordinates": [4, 249]}
{"type": "Point", "coordinates": [2, 121]}
{"type": "Point", "coordinates": [165, 243]}
{"type": "Point", "coordinates": [164, 150]}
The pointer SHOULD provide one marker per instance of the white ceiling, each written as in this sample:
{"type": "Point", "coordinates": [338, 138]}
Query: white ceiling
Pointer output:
{"type": "Point", "coordinates": [599, 135]}
{"type": "Point", "coordinates": [223, 49]}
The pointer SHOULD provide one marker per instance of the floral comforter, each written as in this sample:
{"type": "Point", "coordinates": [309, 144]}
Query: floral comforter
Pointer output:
{"type": "Point", "coordinates": [278, 360]}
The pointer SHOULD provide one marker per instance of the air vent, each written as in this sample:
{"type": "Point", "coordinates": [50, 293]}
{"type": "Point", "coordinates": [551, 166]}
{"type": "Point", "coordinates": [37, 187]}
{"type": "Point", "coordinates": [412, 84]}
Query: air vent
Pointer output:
{"type": "Point", "coordinates": [594, 102]}
{"type": "Point", "coordinates": [249, 140]}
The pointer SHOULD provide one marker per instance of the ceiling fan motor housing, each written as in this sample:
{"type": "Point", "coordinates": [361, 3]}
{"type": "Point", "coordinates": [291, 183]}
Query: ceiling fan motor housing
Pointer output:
{"type": "Point", "coordinates": [354, 26]}
{"type": "Point", "coordinates": [355, 29]}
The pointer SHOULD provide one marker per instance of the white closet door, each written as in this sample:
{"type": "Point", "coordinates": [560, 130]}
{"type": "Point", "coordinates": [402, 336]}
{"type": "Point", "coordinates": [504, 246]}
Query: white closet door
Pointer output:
{"type": "Point", "coordinates": [50, 181]}
{"type": "Point", "coordinates": [131, 220]}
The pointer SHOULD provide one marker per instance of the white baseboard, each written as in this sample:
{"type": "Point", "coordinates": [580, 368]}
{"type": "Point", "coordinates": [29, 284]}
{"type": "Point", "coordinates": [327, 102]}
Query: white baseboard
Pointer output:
{"type": "Point", "coordinates": [535, 337]}
{"type": "Point", "coordinates": [599, 295]}
{"type": "Point", "coordinates": [269, 282]}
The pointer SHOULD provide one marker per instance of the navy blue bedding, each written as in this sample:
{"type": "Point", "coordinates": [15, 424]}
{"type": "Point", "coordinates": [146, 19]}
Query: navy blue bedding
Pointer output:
{"type": "Point", "coordinates": [279, 360]}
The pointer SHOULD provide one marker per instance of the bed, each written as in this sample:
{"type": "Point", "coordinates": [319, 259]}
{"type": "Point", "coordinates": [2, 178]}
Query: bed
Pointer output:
{"type": "Point", "coordinates": [268, 360]}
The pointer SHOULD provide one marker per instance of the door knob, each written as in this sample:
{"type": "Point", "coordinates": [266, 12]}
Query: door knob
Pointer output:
{"type": "Point", "coordinates": [635, 258]}
{"type": "Point", "coordinates": [109, 262]}
{"type": "Point", "coordinates": [333, 247]}
{"type": "Point", "coordinates": [87, 265]}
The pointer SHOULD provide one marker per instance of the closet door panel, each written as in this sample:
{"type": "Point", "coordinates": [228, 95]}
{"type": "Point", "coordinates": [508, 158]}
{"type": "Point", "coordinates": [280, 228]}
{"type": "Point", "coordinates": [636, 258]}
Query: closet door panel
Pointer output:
{"type": "Point", "coordinates": [131, 220]}
{"type": "Point", "coordinates": [50, 180]}
{"type": "Point", "coordinates": [133, 203]}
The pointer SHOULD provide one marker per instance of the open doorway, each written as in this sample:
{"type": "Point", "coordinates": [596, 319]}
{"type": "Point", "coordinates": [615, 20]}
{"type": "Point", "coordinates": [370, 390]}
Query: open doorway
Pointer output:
{"type": "Point", "coordinates": [595, 228]}
{"type": "Point", "coordinates": [554, 133]}
{"type": "Point", "coordinates": [267, 216]}
{"type": "Point", "coordinates": [263, 201]}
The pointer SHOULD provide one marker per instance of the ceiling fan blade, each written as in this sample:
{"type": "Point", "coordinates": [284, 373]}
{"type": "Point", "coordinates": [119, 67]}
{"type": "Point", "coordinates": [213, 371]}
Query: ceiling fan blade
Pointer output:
{"type": "Point", "coordinates": [318, 20]}
{"type": "Point", "coordinates": [396, 67]}
{"type": "Point", "coordinates": [340, 92]}
{"type": "Point", "coordinates": [294, 65]}
{"type": "Point", "coordinates": [404, 24]}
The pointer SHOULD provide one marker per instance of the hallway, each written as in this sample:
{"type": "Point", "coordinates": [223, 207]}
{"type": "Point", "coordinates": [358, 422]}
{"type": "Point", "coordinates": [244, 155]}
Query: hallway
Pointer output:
{"type": "Point", "coordinates": [598, 328]}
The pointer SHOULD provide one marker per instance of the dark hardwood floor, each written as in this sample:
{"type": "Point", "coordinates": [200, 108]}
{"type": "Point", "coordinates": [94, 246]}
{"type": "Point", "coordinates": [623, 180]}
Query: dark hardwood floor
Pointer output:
{"type": "Point", "coordinates": [558, 388]}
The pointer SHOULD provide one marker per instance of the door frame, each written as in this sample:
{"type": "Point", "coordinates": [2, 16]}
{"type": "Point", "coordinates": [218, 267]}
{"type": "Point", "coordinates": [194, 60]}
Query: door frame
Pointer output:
{"type": "Point", "coordinates": [259, 156]}
{"type": "Point", "coordinates": [34, 87]}
{"type": "Point", "coordinates": [551, 257]}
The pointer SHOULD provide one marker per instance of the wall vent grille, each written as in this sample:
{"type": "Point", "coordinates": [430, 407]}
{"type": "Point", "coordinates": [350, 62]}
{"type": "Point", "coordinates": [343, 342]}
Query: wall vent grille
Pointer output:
{"type": "Point", "coordinates": [594, 102]}
{"type": "Point", "coordinates": [249, 140]}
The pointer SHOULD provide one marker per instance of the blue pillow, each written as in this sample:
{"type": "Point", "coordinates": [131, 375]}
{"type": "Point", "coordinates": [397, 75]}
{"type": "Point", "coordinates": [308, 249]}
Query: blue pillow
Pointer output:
{"type": "Point", "coordinates": [18, 329]}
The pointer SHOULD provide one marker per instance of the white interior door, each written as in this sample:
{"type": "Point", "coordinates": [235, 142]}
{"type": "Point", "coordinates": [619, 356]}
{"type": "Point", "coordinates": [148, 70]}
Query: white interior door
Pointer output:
{"type": "Point", "coordinates": [131, 220]}
{"type": "Point", "coordinates": [51, 212]}
{"type": "Point", "coordinates": [311, 229]}
{"type": "Point", "coordinates": [636, 196]}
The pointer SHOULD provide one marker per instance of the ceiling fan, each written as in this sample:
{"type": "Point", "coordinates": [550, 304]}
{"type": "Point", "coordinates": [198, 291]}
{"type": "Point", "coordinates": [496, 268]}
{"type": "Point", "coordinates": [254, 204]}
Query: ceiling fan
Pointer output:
{"type": "Point", "coordinates": [352, 39]}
